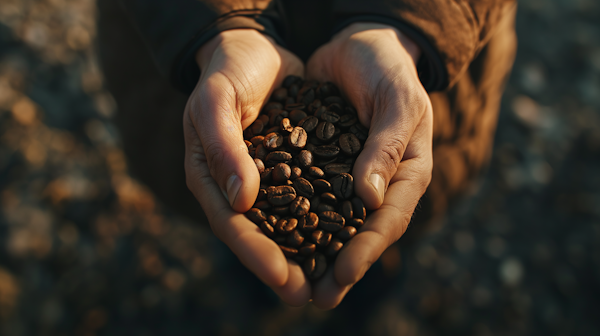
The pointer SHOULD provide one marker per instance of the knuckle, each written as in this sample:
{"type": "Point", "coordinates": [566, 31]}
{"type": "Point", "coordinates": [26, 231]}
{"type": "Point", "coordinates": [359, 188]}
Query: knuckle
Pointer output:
{"type": "Point", "coordinates": [392, 153]}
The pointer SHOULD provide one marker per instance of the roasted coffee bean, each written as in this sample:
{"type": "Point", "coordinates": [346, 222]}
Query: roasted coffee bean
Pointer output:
{"type": "Point", "coordinates": [337, 108]}
{"type": "Point", "coordinates": [346, 233]}
{"type": "Point", "coordinates": [265, 119]}
{"type": "Point", "coordinates": [281, 211]}
{"type": "Point", "coordinates": [286, 225]}
{"type": "Point", "coordinates": [281, 173]}
{"type": "Point", "coordinates": [275, 117]}
{"type": "Point", "coordinates": [257, 127]}
{"type": "Point", "coordinates": [315, 266]}
{"type": "Point", "coordinates": [273, 129]}
{"type": "Point", "coordinates": [261, 152]}
{"type": "Point", "coordinates": [307, 249]}
{"type": "Point", "coordinates": [279, 94]}
{"type": "Point", "coordinates": [347, 120]}
{"type": "Point", "coordinates": [346, 210]}
{"type": "Point", "coordinates": [330, 116]}
{"type": "Point", "coordinates": [349, 144]}
{"type": "Point", "coordinates": [276, 157]}
{"type": "Point", "coordinates": [332, 169]}
{"type": "Point", "coordinates": [304, 187]}
{"type": "Point", "coordinates": [342, 185]}
{"type": "Point", "coordinates": [313, 173]}
{"type": "Point", "coordinates": [356, 222]}
{"type": "Point", "coordinates": [327, 151]}
{"type": "Point", "coordinates": [259, 165]}
{"type": "Point", "coordinates": [257, 140]}
{"type": "Point", "coordinates": [262, 205]}
{"type": "Point", "coordinates": [333, 248]}
{"type": "Point", "coordinates": [267, 229]}
{"type": "Point", "coordinates": [296, 172]}
{"type": "Point", "coordinates": [328, 198]}
{"type": "Point", "coordinates": [272, 106]}
{"type": "Point", "coordinates": [309, 222]}
{"type": "Point", "coordinates": [281, 195]}
{"type": "Point", "coordinates": [248, 144]}
{"type": "Point", "coordinates": [310, 147]}
{"type": "Point", "coordinates": [288, 252]}
{"type": "Point", "coordinates": [294, 239]}
{"type": "Point", "coordinates": [325, 207]}
{"type": "Point", "coordinates": [314, 106]}
{"type": "Point", "coordinates": [315, 202]}
{"type": "Point", "coordinates": [262, 195]}
{"type": "Point", "coordinates": [320, 238]}
{"type": "Point", "coordinates": [279, 239]}
{"type": "Point", "coordinates": [289, 80]}
{"type": "Point", "coordinates": [359, 132]}
{"type": "Point", "coordinates": [272, 141]}
{"type": "Point", "coordinates": [320, 111]}
{"type": "Point", "coordinates": [293, 91]}
{"type": "Point", "coordinates": [272, 219]}
{"type": "Point", "coordinates": [300, 206]}
{"type": "Point", "coordinates": [286, 125]}
{"type": "Point", "coordinates": [256, 215]}
{"type": "Point", "coordinates": [358, 208]}
{"type": "Point", "coordinates": [305, 159]}
{"type": "Point", "coordinates": [296, 116]}
{"type": "Point", "coordinates": [306, 97]}
{"type": "Point", "coordinates": [295, 106]}
{"type": "Point", "coordinates": [297, 138]}
{"type": "Point", "coordinates": [321, 185]}
{"type": "Point", "coordinates": [331, 221]}
{"type": "Point", "coordinates": [309, 123]}
{"type": "Point", "coordinates": [325, 130]}
{"type": "Point", "coordinates": [266, 175]}
{"type": "Point", "coordinates": [289, 101]}
{"type": "Point", "coordinates": [333, 100]}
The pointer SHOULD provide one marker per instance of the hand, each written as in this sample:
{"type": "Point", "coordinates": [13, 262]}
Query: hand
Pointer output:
{"type": "Point", "coordinates": [374, 66]}
{"type": "Point", "coordinates": [240, 69]}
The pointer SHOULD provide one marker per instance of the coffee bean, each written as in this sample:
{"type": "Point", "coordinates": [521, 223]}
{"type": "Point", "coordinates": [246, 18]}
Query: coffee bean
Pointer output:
{"type": "Point", "coordinates": [349, 144]}
{"type": "Point", "coordinates": [314, 266]}
{"type": "Point", "coordinates": [256, 215]}
{"type": "Point", "coordinates": [272, 106]}
{"type": "Point", "coordinates": [328, 198]}
{"type": "Point", "coordinates": [279, 94]}
{"type": "Point", "coordinates": [262, 195]}
{"type": "Point", "coordinates": [314, 106]}
{"type": "Point", "coordinates": [276, 157]}
{"type": "Point", "coordinates": [333, 169]}
{"type": "Point", "coordinates": [289, 80]}
{"type": "Point", "coordinates": [281, 211]}
{"type": "Point", "coordinates": [289, 101]}
{"type": "Point", "coordinates": [358, 208]}
{"type": "Point", "coordinates": [303, 187]}
{"type": "Point", "coordinates": [296, 116]}
{"type": "Point", "coordinates": [330, 116]}
{"type": "Point", "coordinates": [321, 185]}
{"type": "Point", "coordinates": [295, 106]}
{"type": "Point", "coordinates": [305, 159]}
{"type": "Point", "coordinates": [288, 252]}
{"type": "Point", "coordinates": [337, 108]}
{"type": "Point", "coordinates": [333, 248]}
{"type": "Point", "coordinates": [346, 233]}
{"type": "Point", "coordinates": [281, 195]}
{"type": "Point", "coordinates": [325, 130]}
{"type": "Point", "coordinates": [300, 206]}
{"type": "Point", "coordinates": [327, 151]}
{"type": "Point", "coordinates": [331, 221]}
{"type": "Point", "coordinates": [248, 144]}
{"type": "Point", "coordinates": [267, 229]}
{"type": "Point", "coordinates": [279, 239]}
{"type": "Point", "coordinates": [333, 100]}
{"type": "Point", "coordinates": [257, 127]}
{"type": "Point", "coordinates": [325, 207]}
{"type": "Point", "coordinates": [286, 125]}
{"type": "Point", "coordinates": [356, 222]}
{"type": "Point", "coordinates": [266, 175]}
{"type": "Point", "coordinates": [306, 97]}
{"type": "Point", "coordinates": [296, 172]}
{"type": "Point", "coordinates": [261, 152]}
{"type": "Point", "coordinates": [298, 138]}
{"type": "Point", "coordinates": [286, 225]}
{"type": "Point", "coordinates": [272, 219]}
{"type": "Point", "coordinates": [309, 123]}
{"type": "Point", "coordinates": [308, 222]}
{"type": "Point", "coordinates": [294, 239]}
{"type": "Point", "coordinates": [257, 140]}
{"type": "Point", "coordinates": [315, 202]}
{"type": "Point", "coordinates": [275, 117]}
{"type": "Point", "coordinates": [342, 185]}
{"type": "Point", "coordinates": [262, 205]}
{"type": "Point", "coordinates": [259, 165]}
{"type": "Point", "coordinates": [307, 249]}
{"type": "Point", "coordinates": [281, 173]}
{"type": "Point", "coordinates": [320, 238]}
{"type": "Point", "coordinates": [293, 91]}
{"type": "Point", "coordinates": [347, 120]}
{"type": "Point", "coordinates": [273, 141]}
{"type": "Point", "coordinates": [346, 210]}
{"type": "Point", "coordinates": [358, 132]}
{"type": "Point", "coordinates": [313, 173]}
{"type": "Point", "coordinates": [320, 111]}
{"type": "Point", "coordinates": [327, 89]}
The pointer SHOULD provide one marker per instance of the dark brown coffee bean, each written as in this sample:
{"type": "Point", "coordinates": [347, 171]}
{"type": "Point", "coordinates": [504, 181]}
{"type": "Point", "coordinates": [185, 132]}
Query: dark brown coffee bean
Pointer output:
{"type": "Point", "coordinates": [248, 144]}
{"type": "Point", "coordinates": [314, 106]}
{"type": "Point", "coordinates": [259, 165]}
{"type": "Point", "coordinates": [304, 187]}
{"type": "Point", "coordinates": [330, 116]}
{"type": "Point", "coordinates": [266, 175]}
{"type": "Point", "coordinates": [279, 239]}
{"type": "Point", "coordinates": [333, 100]}
{"type": "Point", "coordinates": [309, 123]}
{"type": "Point", "coordinates": [265, 120]}
{"type": "Point", "coordinates": [281, 195]}
{"type": "Point", "coordinates": [272, 106]}
{"type": "Point", "coordinates": [342, 185]}
{"type": "Point", "coordinates": [327, 151]}
{"type": "Point", "coordinates": [305, 159]}
{"type": "Point", "coordinates": [267, 229]}
{"type": "Point", "coordinates": [286, 125]}
{"type": "Point", "coordinates": [315, 266]}
{"type": "Point", "coordinates": [257, 140]}
{"type": "Point", "coordinates": [328, 198]}
{"type": "Point", "coordinates": [310, 147]}
{"type": "Point", "coordinates": [275, 117]}
{"type": "Point", "coordinates": [296, 116]}
{"type": "Point", "coordinates": [261, 152]}
{"type": "Point", "coordinates": [346, 210]}
{"type": "Point", "coordinates": [333, 248]}
{"type": "Point", "coordinates": [296, 172]}
{"type": "Point", "coordinates": [358, 208]}
{"type": "Point", "coordinates": [288, 252]}
{"type": "Point", "coordinates": [346, 233]}
{"type": "Point", "coordinates": [281, 173]}
{"type": "Point", "coordinates": [359, 132]}
{"type": "Point", "coordinates": [309, 222]}
{"type": "Point", "coordinates": [286, 225]}
{"type": "Point", "coordinates": [273, 141]}
{"type": "Point", "coordinates": [297, 138]}
{"type": "Point", "coordinates": [274, 129]}
{"type": "Point", "coordinates": [248, 134]}
{"type": "Point", "coordinates": [321, 185]}
{"type": "Point", "coordinates": [262, 205]}
{"type": "Point", "coordinates": [337, 108]}
{"type": "Point", "coordinates": [325, 130]}
{"type": "Point", "coordinates": [281, 211]}
{"type": "Point", "coordinates": [349, 144]}
{"type": "Point", "coordinates": [257, 127]}
{"type": "Point", "coordinates": [294, 239]}
{"type": "Point", "coordinates": [279, 94]}
{"type": "Point", "coordinates": [347, 120]}
{"type": "Point", "coordinates": [262, 195]}
{"type": "Point", "coordinates": [256, 215]}
{"type": "Point", "coordinates": [313, 173]}
{"type": "Point", "coordinates": [320, 111]}
{"type": "Point", "coordinates": [320, 238]}
{"type": "Point", "coordinates": [276, 157]}
{"type": "Point", "coordinates": [315, 202]}
{"type": "Point", "coordinates": [272, 219]}
{"type": "Point", "coordinates": [325, 207]}
{"type": "Point", "coordinates": [332, 169]}
{"type": "Point", "coordinates": [306, 97]}
{"type": "Point", "coordinates": [331, 221]}
{"type": "Point", "coordinates": [356, 222]}
{"type": "Point", "coordinates": [295, 106]}
{"type": "Point", "coordinates": [307, 249]}
{"type": "Point", "coordinates": [300, 206]}
{"type": "Point", "coordinates": [289, 80]}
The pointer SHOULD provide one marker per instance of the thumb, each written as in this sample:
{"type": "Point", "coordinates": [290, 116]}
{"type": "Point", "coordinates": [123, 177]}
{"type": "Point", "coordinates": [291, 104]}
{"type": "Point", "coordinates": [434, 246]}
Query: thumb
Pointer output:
{"type": "Point", "coordinates": [219, 127]}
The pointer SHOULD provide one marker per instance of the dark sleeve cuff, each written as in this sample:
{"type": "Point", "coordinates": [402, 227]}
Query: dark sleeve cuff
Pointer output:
{"type": "Point", "coordinates": [431, 69]}
{"type": "Point", "coordinates": [185, 72]}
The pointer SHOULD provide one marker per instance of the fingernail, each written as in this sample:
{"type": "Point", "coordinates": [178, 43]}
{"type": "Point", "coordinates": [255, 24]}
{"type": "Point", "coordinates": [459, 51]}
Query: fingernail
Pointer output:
{"type": "Point", "coordinates": [379, 183]}
{"type": "Point", "coordinates": [233, 188]}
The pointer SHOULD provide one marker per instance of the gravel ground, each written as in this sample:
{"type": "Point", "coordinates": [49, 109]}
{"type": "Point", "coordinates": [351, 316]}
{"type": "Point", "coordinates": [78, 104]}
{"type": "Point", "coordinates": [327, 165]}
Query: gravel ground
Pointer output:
{"type": "Point", "coordinates": [87, 250]}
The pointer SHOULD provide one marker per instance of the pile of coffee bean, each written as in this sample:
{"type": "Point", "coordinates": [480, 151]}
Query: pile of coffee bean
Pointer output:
{"type": "Point", "coordinates": [304, 144]}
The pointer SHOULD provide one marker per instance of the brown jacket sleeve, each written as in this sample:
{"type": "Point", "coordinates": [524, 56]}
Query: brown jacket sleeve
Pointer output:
{"type": "Point", "coordinates": [456, 29]}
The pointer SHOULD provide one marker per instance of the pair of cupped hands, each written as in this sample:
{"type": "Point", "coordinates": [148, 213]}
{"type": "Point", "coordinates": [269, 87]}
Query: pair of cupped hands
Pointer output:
{"type": "Point", "coordinates": [374, 66]}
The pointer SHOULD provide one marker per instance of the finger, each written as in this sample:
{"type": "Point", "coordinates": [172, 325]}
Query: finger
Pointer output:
{"type": "Point", "coordinates": [219, 126]}
{"type": "Point", "coordinates": [257, 252]}
{"type": "Point", "coordinates": [327, 292]}
{"type": "Point", "coordinates": [296, 292]}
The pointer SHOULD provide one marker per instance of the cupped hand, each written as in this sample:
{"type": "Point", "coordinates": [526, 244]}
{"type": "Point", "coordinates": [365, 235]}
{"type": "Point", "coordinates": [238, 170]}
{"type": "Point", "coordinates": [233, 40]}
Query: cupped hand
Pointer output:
{"type": "Point", "coordinates": [374, 66]}
{"type": "Point", "coordinates": [240, 68]}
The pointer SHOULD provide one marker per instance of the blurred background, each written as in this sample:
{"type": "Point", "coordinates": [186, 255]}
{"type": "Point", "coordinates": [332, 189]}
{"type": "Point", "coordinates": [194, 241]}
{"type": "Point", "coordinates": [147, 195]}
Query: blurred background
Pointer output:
{"type": "Point", "coordinates": [85, 249]}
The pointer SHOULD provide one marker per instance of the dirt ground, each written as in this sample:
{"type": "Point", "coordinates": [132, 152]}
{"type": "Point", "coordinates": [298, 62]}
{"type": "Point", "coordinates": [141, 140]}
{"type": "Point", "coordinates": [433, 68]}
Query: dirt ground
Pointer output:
{"type": "Point", "coordinates": [85, 249]}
